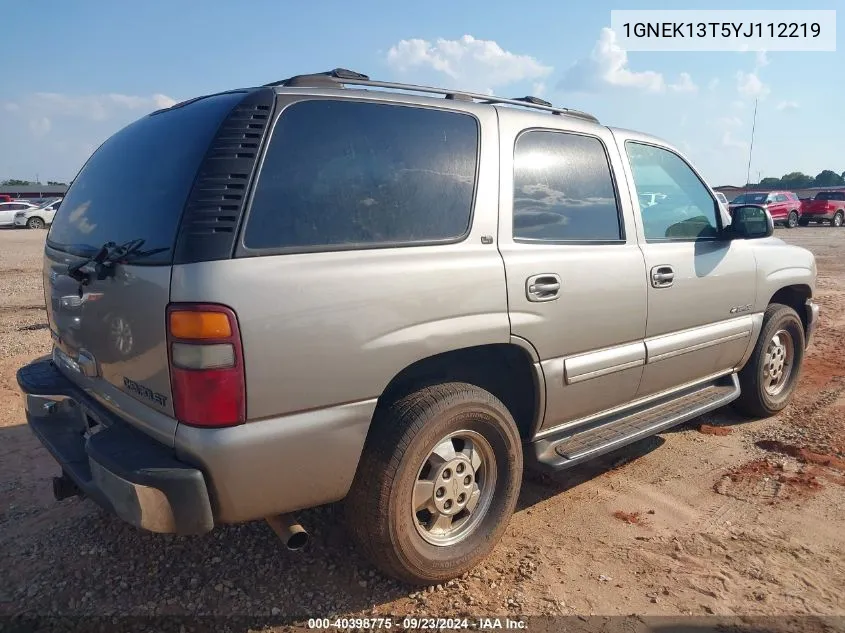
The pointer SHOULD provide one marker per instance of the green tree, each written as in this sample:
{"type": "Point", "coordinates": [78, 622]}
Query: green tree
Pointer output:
{"type": "Point", "coordinates": [828, 178]}
{"type": "Point", "coordinates": [770, 183]}
{"type": "Point", "coordinates": [14, 182]}
{"type": "Point", "coordinates": [55, 182]}
{"type": "Point", "coordinates": [796, 180]}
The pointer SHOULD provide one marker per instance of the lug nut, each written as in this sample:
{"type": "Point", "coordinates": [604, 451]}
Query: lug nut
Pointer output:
{"type": "Point", "coordinates": [461, 498]}
{"type": "Point", "coordinates": [440, 492]}
{"type": "Point", "coordinates": [447, 474]}
{"type": "Point", "coordinates": [467, 480]}
{"type": "Point", "coordinates": [448, 504]}
{"type": "Point", "coordinates": [460, 468]}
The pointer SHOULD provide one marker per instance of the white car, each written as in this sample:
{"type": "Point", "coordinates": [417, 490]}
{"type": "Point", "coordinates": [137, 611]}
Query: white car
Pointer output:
{"type": "Point", "coordinates": [9, 209]}
{"type": "Point", "coordinates": [37, 217]}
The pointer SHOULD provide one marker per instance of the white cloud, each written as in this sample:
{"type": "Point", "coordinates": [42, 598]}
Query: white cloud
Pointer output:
{"type": "Point", "coordinates": [467, 62]}
{"type": "Point", "coordinates": [539, 89]}
{"type": "Point", "coordinates": [761, 59]}
{"type": "Point", "coordinates": [607, 65]}
{"type": "Point", "coordinates": [727, 122]}
{"type": "Point", "coordinates": [714, 83]}
{"type": "Point", "coordinates": [738, 105]}
{"type": "Point", "coordinates": [729, 141]}
{"type": "Point", "coordinates": [96, 107]}
{"type": "Point", "coordinates": [40, 126]}
{"type": "Point", "coordinates": [787, 105]}
{"type": "Point", "coordinates": [749, 85]}
{"type": "Point", "coordinates": [54, 133]}
{"type": "Point", "coordinates": [684, 84]}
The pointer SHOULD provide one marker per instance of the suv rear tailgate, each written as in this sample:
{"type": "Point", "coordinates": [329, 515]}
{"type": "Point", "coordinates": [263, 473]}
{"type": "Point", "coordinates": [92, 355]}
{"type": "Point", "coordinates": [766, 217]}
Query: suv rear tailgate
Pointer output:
{"type": "Point", "coordinates": [109, 329]}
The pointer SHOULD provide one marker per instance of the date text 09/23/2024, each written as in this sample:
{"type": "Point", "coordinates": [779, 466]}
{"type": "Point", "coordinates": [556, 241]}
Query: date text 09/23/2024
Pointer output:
{"type": "Point", "coordinates": [417, 624]}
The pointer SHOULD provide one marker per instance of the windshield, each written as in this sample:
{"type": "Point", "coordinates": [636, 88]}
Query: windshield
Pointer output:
{"type": "Point", "coordinates": [750, 198]}
{"type": "Point", "coordinates": [830, 195]}
{"type": "Point", "coordinates": [134, 187]}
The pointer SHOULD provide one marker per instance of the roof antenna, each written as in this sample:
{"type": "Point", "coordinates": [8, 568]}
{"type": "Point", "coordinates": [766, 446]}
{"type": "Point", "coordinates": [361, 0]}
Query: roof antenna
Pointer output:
{"type": "Point", "coordinates": [751, 148]}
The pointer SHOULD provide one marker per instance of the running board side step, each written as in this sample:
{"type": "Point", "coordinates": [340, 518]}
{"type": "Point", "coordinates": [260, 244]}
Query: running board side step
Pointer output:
{"type": "Point", "coordinates": [573, 446]}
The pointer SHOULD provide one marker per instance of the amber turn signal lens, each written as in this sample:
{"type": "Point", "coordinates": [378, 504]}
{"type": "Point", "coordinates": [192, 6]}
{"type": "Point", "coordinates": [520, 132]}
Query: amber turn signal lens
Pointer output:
{"type": "Point", "coordinates": [199, 325]}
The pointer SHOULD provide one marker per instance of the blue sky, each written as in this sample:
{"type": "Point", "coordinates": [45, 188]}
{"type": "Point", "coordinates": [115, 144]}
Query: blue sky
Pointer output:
{"type": "Point", "coordinates": [75, 72]}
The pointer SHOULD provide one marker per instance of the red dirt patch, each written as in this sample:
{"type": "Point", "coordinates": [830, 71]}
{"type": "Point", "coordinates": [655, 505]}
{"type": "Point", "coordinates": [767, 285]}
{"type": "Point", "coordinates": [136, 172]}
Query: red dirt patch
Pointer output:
{"type": "Point", "coordinates": [709, 429]}
{"type": "Point", "coordinates": [627, 517]}
{"type": "Point", "coordinates": [804, 455]}
{"type": "Point", "coordinates": [761, 478]}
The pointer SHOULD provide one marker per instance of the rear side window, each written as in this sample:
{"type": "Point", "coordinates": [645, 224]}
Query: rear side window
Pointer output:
{"type": "Point", "coordinates": [339, 174]}
{"type": "Point", "coordinates": [136, 184]}
{"type": "Point", "coordinates": [563, 189]}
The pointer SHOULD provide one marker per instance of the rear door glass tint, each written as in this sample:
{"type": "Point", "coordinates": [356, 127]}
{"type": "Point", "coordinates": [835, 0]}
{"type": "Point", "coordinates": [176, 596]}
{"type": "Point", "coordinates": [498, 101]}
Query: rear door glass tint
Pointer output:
{"type": "Point", "coordinates": [339, 174]}
{"type": "Point", "coordinates": [563, 189]}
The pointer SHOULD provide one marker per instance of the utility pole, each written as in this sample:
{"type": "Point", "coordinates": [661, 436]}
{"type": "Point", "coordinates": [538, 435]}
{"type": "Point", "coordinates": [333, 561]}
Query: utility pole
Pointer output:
{"type": "Point", "coordinates": [751, 147]}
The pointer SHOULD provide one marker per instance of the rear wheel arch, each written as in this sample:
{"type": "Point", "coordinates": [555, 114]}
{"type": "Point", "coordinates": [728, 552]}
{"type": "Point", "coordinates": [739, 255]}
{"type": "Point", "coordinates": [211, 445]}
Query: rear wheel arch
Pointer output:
{"type": "Point", "coordinates": [506, 370]}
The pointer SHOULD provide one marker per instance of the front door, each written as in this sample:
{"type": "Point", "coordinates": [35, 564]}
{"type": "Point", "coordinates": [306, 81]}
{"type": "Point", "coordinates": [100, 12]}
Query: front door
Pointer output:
{"type": "Point", "coordinates": [701, 286]}
{"type": "Point", "coordinates": [575, 274]}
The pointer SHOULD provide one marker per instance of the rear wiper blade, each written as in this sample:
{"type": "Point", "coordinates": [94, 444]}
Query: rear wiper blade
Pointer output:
{"type": "Point", "coordinates": [101, 264]}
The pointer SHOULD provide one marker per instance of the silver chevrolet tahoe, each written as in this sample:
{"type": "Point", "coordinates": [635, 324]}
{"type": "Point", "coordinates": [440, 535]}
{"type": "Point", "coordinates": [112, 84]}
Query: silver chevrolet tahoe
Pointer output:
{"type": "Point", "coordinates": [330, 288]}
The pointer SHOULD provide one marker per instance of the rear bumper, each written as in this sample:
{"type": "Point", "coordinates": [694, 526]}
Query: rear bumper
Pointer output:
{"type": "Point", "coordinates": [122, 469]}
{"type": "Point", "coordinates": [812, 320]}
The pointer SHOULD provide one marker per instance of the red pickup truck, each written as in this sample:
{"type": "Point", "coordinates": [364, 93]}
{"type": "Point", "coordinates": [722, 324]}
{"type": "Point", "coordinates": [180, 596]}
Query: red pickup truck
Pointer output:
{"type": "Point", "coordinates": [827, 206]}
{"type": "Point", "coordinates": [784, 206]}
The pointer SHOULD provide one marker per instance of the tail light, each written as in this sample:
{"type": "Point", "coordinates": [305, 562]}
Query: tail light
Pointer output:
{"type": "Point", "coordinates": [206, 365]}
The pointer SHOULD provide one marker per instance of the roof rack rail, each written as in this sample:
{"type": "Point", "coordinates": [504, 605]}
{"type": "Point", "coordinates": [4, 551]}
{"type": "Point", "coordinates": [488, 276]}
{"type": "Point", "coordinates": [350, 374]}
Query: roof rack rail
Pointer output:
{"type": "Point", "coordinates": [343, 76]}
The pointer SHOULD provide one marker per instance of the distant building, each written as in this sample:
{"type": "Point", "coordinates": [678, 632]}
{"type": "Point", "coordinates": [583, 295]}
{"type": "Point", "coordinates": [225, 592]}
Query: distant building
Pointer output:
{"type": "Point", "coordinates": [33, 191]}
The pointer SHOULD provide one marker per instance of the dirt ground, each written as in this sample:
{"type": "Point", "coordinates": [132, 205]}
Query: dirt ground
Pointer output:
{"type": "Point", "coordinates": [721, 516]}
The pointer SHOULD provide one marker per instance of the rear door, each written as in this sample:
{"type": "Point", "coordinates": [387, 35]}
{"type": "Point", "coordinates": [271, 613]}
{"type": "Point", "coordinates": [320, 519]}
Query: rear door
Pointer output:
{"type": "Point", "coordinates": [576, 277]}
{"type": "Point", "coordinates": [109, 334]}
{"type": "Point", "coordinates": [700, 286]}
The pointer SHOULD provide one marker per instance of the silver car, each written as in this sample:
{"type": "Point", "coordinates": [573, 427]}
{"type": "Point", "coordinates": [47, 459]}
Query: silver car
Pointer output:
{"type": "Point", "coordinates": [396, 296]}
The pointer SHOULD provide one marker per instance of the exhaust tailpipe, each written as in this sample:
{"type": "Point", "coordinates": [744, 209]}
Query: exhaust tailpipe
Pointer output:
{"type": "Point", "coordinates": [288, 529]}
{"type": "Point", "coordinates": [64, 487]}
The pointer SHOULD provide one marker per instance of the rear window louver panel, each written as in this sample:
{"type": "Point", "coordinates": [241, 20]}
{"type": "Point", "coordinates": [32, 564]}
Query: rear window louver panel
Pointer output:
{"type": "Point", "coordinates": [217, 200]}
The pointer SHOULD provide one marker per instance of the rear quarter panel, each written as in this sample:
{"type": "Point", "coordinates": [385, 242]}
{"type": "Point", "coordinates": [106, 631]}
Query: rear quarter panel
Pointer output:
{"type": "Point", "coordinates": [327, 328]}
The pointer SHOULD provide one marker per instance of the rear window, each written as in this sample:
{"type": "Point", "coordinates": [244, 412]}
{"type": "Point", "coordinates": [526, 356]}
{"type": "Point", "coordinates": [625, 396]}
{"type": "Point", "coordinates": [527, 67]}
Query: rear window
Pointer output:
{"type": "Point", "coordinates": [135, 185]}
{"type": "Point", "coordinates": [750, 198]}
{"type": "Point", "coordinates": [339, 174]}
{"type": "Point", "coordinates": [830, 195]}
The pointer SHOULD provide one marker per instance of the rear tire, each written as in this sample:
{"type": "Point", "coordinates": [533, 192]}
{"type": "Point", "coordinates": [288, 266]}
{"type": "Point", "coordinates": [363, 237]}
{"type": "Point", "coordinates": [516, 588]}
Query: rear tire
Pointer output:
{"type": "Point", "coordinates": [408, 509]}
{"type": "Point", "coordinates": [792, 220]}
{"type": "Point", "coordinates": [35, 223]}
{"type": "Point", "coordinates": [770, 375]}
{"type": "Point", "coordinates": [837, 219]}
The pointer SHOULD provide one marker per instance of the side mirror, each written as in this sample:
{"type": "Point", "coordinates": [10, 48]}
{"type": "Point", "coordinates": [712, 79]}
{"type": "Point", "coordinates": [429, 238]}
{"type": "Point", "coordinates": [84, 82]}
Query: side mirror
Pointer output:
{"type": "Point", "coordinates": [751, 222]}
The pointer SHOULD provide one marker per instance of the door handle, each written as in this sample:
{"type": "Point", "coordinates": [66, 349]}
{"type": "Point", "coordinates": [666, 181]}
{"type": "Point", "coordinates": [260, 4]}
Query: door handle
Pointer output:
{"type": "Point", "coordinates": [662, 276]}
{"type": "Point", "coordinates": [543, 287]}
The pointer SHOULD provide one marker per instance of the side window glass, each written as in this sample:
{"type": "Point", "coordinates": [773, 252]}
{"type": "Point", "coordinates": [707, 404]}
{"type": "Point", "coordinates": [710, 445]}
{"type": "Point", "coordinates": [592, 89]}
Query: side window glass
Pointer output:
{"type": "Point", "coordinates": [781, 198]}
{"type": "Point", "coordinates": [563, 189]}
{"type": "Point", "coordinates": [344, 173]}
{"type": "Point", "coordinates": [685, 210]}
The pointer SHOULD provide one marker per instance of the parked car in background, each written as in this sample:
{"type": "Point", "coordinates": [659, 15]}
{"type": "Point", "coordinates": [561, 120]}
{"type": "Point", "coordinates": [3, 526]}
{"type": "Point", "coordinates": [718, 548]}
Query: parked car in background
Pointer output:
{"type": "Point", "coordinates": [783, 206]}
{"type": "Point", "coordinates": [39, 217]}
{"type": "Point", "coordinates": [9, 209]}
{"type": "Point", "coordinates": [827, 206]}
{"type": "Point", "coordinates": [4, 197]}
{"type": "Point", "coordinates": [723, 200]}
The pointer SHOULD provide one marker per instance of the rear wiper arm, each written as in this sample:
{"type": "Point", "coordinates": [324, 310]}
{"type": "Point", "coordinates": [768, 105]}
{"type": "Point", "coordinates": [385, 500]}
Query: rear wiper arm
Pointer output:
{"type": "Point", "coordinates": [101, 264]}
